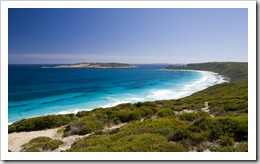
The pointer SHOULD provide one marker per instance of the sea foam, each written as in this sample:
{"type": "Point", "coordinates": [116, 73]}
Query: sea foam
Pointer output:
{"type": "Point", "coordinates": [206, 80]}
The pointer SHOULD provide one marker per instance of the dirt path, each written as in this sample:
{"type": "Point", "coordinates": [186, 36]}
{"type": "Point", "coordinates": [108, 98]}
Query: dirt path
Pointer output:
{"type": "Point", "coordinates": [68, 141]}
{"type": "Point", "coordinates": [206, 108]}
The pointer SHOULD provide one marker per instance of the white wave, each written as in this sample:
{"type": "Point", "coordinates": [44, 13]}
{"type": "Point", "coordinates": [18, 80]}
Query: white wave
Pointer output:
{"type": "Point", "coordinates": [166, 94]}
{"type": "Point", "coordinates": [74, 111]}
{"type": "Point", "coordinates": [206, 80]}
{"type": "Point", "coordinates": [115, 101]}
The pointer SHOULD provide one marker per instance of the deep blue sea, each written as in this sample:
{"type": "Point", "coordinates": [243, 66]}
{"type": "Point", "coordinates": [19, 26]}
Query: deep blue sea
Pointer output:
{"type": "Point", "coordinates": [36, 91]}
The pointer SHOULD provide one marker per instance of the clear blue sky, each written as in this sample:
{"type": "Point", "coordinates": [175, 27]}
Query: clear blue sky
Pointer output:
{"type": "Point", "coordinates": [57, 36]}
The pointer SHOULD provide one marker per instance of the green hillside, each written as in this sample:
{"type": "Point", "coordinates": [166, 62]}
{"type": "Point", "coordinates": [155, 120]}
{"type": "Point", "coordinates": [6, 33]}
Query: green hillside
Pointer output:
{"type": "Point", "coordinates": [235, 71]}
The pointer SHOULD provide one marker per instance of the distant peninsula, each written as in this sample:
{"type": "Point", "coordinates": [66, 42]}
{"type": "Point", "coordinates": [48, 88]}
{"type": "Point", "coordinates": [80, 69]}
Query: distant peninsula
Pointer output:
{"type": "Point", "coordinates": [97, 65]}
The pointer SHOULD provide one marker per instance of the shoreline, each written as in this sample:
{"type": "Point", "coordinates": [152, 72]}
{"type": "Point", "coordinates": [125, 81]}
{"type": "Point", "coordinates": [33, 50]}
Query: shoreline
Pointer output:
{"type": "Point", "coordinates": [227, 79]}
{"type": "Point", "coordinates": [159, 92]}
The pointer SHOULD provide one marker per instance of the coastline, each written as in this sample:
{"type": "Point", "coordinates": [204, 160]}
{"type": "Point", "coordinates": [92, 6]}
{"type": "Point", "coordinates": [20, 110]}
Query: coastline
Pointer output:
{"type": "Point", "coordinates": [225, 78]}
{"type": "Point", "coordinates": [155, 94]}
{"type": "Point", "coordinates": [15, 143]}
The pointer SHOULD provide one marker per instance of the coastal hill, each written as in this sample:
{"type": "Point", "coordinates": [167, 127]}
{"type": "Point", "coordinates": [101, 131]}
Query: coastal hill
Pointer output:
{"type": "Point", "coordinates": [235, 71]}
{"type": "Point", "coordinates": [97, 65]}
{"type": "Point", "coordinates": [214, 119]}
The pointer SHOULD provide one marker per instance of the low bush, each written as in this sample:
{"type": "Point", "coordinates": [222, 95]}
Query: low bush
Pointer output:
{"type": "Point", "coordinates": [93, 143]}
{"type": "Point", "coordinates": [166, 112]}
{"type": "Point", "coordinates": [197, 138]}
{"type": "Point", "coordinates": [83, 113]}
{"type": "Point", "coordinates": [188, 116]}
{"type": "Point", "coordinates": [40, 123]}
{"type": "Point", "coordinates": [172, 147]}
{"type": "Point", "coordinates": [240, 148]}
{"type": "Point", "coordinates": [181, 133]}
{"type": "Point", "coordinates": [84, 125]}
{"type": "Point", "coordinates": [163, 126]}
{"type": "Point", "coordinates": [236, 127]}
{"type": "Point", "coordinates": [145, 142]}
{"type": "Point", "coordinates": [40, 144]}
{"type": "Point", "coordinates": [226, 141]}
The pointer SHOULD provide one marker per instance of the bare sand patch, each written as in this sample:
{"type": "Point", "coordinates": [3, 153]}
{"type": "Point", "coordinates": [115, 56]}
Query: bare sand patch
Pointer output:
{"type": "Point", "coordinates": [17, 139]}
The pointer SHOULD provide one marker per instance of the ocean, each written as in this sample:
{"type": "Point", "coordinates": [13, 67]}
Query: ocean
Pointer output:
{"type": "Point", "coordinates": [36, 91]}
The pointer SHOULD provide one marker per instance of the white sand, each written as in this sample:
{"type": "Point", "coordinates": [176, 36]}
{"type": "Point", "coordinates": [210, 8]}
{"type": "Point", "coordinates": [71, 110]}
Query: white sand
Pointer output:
{"type": "Point", "coordinates": [16, 140]}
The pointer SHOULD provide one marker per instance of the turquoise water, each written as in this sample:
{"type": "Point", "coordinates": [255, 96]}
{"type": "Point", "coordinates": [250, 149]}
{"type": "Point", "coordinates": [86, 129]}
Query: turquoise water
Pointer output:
{"type": "Point", "coordinates": [36, 91]}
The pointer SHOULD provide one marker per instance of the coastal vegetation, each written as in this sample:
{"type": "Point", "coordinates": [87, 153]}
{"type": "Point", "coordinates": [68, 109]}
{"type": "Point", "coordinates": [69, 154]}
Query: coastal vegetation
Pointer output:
{"type": "Point", "coordinates": [214, 119]}
{"type": "Point", "coordinates": [40, 123]}
{"type": "Point", "coordinates": [41, 144]}
{"type": "Point", "coordinates": [235, 71]}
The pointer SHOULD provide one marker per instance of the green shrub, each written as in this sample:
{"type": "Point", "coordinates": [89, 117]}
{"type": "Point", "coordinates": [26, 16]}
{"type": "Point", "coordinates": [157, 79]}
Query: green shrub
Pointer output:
{"type": "Point", "coordinates": [236, 127]}
{"type": "Point", "coordinates": [83, 113]}
{"type": "Point", "coordinates": [126, 106]}
{"type": "Point", "coordinates": [171, 147]}
{"type": "Point", "coordinates": [188, 116]}
{"type": "Point", "coordinates": [181, 133]}
{"type": "Point", "coordinates": [91, 126]}
{"type": "Point", "coordinates": [145, 142]}
{"type": "Point", "coordinates": [165, 113]}
{"type": "Point", "coordinates": [40, 123]}
{"type": "Point", "coordinates": [201, 124]}
{"type": "Point", "coordinates": [12, 128]}
{"type": "Point", "coordinates": [197, 138]}
{"type": "Point", "coordinates": [138, 104]}
{"type": "Point", "coordinates": [93, 143]}
{"type": "Point", "coordinates": [84, 125]}
{"type": "Point", "coordinates": [164, 126]}
{"type": "Point", "coordinates": [147, 104]}
{"type": "Point", "coordinates": [226, 141]}
{"type": "Point", "coordinates": [240, 148]}
{"type": "Point", "coordinates": [41, 144]}
{"type": "Point", "coordinates": [133, 127]}
{"type": "Point", "coordinates": [146, 111]}
{"type": "Point", "coordinates": [136, 114]}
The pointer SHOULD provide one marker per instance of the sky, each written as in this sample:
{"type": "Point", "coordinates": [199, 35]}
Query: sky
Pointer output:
{"type": "Point", "coordinates": [138, 36]}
